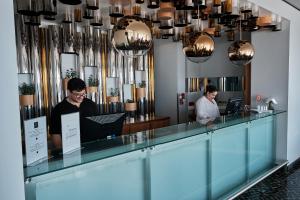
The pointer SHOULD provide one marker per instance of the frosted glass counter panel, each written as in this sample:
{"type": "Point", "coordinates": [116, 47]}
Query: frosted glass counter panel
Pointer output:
{"type": "Point", "coordinates": [119, 177]}
{"type": "Point", "coordinates": [179, 170]}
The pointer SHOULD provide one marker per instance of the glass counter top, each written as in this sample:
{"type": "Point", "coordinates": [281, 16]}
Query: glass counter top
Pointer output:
{"type": "Point", "coordinates": [102, 149]}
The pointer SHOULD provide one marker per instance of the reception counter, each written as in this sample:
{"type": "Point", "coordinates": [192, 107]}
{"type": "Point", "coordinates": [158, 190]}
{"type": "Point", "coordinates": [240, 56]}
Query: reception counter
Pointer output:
{"type": "Point", "coordinates": [185, 161]}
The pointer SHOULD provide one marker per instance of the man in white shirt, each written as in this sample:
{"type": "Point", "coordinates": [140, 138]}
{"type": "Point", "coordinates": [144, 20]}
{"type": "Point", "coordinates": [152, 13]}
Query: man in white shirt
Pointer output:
{"type": "Point", "coordinates": [206, 107]}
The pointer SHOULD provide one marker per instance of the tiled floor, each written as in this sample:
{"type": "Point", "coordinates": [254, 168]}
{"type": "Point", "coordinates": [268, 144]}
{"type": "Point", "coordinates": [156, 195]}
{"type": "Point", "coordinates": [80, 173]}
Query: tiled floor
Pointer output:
{"type": "Point", "coordinates": [281, 185]}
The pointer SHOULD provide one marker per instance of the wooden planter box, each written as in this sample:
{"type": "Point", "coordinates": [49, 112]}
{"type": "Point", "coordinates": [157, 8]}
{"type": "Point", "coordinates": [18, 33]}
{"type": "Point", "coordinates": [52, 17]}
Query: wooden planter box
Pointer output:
{"type": "Point", "coordinates": [113, 99]}
{"type": "Point", "coordinates": [92, 89]}
{"type": "Point", "coordinates": [140, 93]}
{"type": "Point", "coordinates": [130, 106]}
{"type": "Point", "coordinates": [26, 100]}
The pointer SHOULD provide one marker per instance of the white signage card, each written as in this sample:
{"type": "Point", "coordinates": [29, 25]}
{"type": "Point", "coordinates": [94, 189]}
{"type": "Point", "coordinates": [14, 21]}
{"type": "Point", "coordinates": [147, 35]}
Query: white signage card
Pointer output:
{"type": "Point", "coordinates": [70, 132]}
{"type": "Point", "coordinates": [36, 140]}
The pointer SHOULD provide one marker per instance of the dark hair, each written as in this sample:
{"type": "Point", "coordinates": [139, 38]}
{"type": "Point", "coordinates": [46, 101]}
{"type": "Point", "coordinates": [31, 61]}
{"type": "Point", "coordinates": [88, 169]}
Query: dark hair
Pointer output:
{"type": "Point", "coordinates": [210, 89]}
{"type": "Point", "coordinates": [76, 84]}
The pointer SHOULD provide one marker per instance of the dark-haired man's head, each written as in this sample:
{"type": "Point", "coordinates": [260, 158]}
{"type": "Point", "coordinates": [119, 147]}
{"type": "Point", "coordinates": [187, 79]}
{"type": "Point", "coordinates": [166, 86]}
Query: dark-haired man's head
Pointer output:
{"type": "Point", "coordinates": [77, 90]}
{"type": "Point", "coordinates": [211, 92]}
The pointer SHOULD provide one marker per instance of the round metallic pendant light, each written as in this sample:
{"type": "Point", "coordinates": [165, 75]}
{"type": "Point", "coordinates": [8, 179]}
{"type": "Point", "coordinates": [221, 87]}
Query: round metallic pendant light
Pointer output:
{"type": "Point", "coordinates": [131, 36]}
{"type": "Point", "coordinates": [199, 46]}
{"type": "Point", "coordinates": [240, 52]}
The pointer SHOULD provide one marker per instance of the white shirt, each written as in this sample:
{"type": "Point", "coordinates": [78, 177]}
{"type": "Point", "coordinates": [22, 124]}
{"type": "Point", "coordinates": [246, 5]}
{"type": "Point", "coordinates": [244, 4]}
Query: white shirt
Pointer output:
{"type": "Point", "coordinates": [206, 109]}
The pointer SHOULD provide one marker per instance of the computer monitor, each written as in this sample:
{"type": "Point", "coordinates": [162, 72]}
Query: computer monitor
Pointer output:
{"type": "Point", "coordinates": [234, 105]}
{"type": "Point", "coordinates": [102, 126]}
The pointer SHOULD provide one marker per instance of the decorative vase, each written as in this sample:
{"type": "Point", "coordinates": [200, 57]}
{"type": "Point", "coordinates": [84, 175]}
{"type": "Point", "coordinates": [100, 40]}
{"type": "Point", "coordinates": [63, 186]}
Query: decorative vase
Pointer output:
{"type": "Point", "coordinates": [113, 99]}
{"type": "Point", "coordinates": [130, 106]}
{"type": "Point", "coordinates": [26, 100]}
{"type": "Point", "coordinates": [91, 89]}
{"type": "Point", "coordinates": [140, 93]}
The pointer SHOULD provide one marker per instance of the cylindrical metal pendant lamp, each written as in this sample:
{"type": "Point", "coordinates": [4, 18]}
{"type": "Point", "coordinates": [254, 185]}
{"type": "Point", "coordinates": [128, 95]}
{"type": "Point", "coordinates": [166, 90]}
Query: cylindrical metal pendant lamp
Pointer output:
{"type": "Point", "coordinates": [68, 15]}
{"type": "Point", "coordinates": [136, 10]}
{"type": "Point", "coordinates": [68, 30]}
{"type": "Point", "coordinates": [180, 18]}
{"type": "Point", "coordinates": [54, 64]}
{"type": "Point", "coordinates": [166, 24]}
{"type": "Point", "coordinates": [92, 4]}
{"type": "Point", "coordinates": [88, 14]}
{"type": "Point", "coordinates": [49, 7]}
{"type": "Point", "coordinates": [88, 46]}
{"type": "Point", "coordinates": [32, 20]}
{"type": "Point", "coordinates": [153, 4]}
{"type": "Point", "coordinates": [97, 21]}
{"type": "Point", "coordinates": [23, 45]}
{"type": "Point", "coordinates": [71, 2]}
{"type": "Point", "coordinates": [29, 7]}
{"type": "Point", "coordinates": [116, 10]}
{"type": "Point", "coordinates": [78, 15]}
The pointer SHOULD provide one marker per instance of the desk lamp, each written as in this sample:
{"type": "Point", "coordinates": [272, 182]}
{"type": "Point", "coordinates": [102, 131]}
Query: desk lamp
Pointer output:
{"type": "Point", "coordinates": [271, 101]}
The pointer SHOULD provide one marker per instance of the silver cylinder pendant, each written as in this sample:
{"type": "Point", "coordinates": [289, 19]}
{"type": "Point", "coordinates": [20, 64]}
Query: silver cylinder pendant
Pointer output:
{"type": "Point", "coordinates": [68, 30]}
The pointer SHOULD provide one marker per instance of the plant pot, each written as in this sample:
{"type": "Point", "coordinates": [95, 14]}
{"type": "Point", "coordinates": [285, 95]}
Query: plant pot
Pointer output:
{"type": "Point", "coordinates": [26, 100]}
{"type": "Point", "coordinates": [91, 89]}
{"type": "Point", "coordinates": [65, 83]}
{"type": "Point", "coordinates": [113, 99]}
{"type": "Point", "coordinates": [140, 93]}
{"type": "Point", "coordinates": [130, 106]}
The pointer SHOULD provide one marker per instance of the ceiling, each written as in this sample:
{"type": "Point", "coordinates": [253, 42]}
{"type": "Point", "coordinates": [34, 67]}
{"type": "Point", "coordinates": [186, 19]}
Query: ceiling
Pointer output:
{"type": "Point", "coordinates": [294, 3]}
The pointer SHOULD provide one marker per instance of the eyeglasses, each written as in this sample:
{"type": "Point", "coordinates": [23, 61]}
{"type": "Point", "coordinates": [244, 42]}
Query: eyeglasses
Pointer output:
{"type": "Point", "coordinates": [79, 95]}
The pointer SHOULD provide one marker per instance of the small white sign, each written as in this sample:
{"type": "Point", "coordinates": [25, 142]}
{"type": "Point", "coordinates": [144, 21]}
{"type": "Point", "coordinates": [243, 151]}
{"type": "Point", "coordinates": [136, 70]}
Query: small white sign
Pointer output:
{"type": "Point", "coordinates": [70, 132]}
{"type": "Point", "coordinates": [36, 140]}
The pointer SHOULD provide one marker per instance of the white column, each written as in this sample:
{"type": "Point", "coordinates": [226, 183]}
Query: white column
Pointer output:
{"type": "Point", "coordinates": [11, 164]}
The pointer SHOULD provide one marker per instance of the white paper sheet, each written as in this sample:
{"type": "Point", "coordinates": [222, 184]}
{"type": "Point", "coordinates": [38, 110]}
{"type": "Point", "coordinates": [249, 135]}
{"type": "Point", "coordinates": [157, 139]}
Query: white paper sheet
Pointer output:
{"type": "Point", "coordinates": [36, 140]}
{"type": "Point", "coordinates": [70, 132]}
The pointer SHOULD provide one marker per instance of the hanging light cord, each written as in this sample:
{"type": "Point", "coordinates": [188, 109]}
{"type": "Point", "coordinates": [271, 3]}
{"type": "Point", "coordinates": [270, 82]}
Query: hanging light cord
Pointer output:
{"type": "Point", "coordinates": [240, 15]}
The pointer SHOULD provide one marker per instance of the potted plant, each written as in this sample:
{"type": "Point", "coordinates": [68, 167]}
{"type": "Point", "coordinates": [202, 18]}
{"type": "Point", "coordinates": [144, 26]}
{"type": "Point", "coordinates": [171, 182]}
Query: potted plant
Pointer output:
{"type": "Point", "coordinates": [92, 84]}
{"type": "Point", "coordinates": [70, 73]}
{"type": "Point", "coordinates": [114, 95]}
{"type": "Point", "coordinates": [141, 90]}
{"type": "Point", "coordinates": [130, 105]}
{"type": "Point", "coordinates": [26, 94]}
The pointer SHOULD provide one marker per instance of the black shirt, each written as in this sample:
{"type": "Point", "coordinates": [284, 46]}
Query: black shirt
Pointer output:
{"type": "Point", "coordinates": [87, 108]}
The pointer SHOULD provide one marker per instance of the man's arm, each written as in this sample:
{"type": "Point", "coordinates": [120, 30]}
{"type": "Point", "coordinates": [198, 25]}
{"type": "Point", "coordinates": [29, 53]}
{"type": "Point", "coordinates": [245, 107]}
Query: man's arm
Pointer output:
{"type": "Point", "coordinates": [56, 140]}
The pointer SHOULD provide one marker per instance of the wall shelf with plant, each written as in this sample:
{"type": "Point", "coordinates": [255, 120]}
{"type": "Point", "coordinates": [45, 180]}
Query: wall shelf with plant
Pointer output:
{"type": "Point", "coordinates": [141, 90]}
{"type": "Point", "coordinates": [26, 94]}
{"type": "Point", "coordinates": [70, 73]}
{"type": "Point", "coordinates": [114, 95]}
{"type": "Point", "coordinates": [93, 84]}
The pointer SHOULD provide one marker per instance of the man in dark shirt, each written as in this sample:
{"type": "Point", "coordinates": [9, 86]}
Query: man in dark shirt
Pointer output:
{"type": "Point", "coordinates": [76, 101]}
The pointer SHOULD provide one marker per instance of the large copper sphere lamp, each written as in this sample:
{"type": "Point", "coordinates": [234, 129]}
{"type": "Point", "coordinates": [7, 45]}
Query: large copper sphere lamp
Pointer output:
{"type": "Point", "coordinates": [131, 36]}
{"type": "Point", "coordinates": [241, 52]}
{"type": "Point", "coordinates": [199, 47]}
